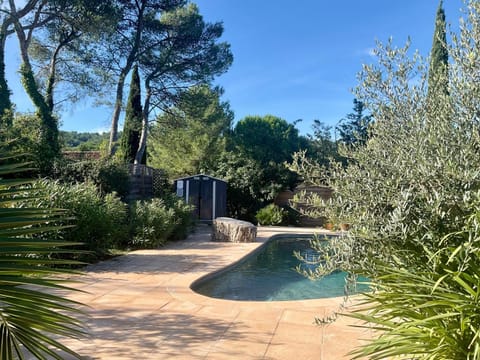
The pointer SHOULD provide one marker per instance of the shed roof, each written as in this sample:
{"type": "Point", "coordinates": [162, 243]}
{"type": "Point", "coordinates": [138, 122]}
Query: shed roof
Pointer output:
{"type": "Point", "coordinates": [192, 176]}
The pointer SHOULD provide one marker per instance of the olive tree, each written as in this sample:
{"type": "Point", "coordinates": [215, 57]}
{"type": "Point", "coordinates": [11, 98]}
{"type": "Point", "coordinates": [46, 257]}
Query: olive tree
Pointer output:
{"type": "Point", "coordinates": [411, 194]}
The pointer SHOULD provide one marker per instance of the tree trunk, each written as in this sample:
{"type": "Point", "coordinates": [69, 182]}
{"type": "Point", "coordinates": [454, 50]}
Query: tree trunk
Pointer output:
{"type": "Point", "coordinates": [6, 106]}
{"type": "Point", "coordinates": [121, 79]}
{"type": "Point", "coordinates": [49, 146]}
{"type": "Point", "coordinates": [52, 71]}
{"type": "Point", "coordinates": [117, 110]}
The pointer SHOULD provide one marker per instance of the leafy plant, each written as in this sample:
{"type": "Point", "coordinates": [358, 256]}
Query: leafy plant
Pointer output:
{"type": "Point", "coordinates": [183, 216]}
{"type": "Point", "coordinates": [411, 192]}
{"type": "Point", "coordinates": [31, 314]}
{"type": "Point", "coordinates": [271, 215]}
{"type": "Point", "coordinates": [404, 190]}
{"type": "Point", "coordinates": [432, 314]}
{"type": "Point", "coordinates": [107, 175]}
{"type": "Point", "coordinates": [155, 221]}
{"type": "Point", "coordinates": [101, 221]}
{"type": "Point", "coordinates": [246, 189]}
{"type": "Point", "coordinates": [189, 137]}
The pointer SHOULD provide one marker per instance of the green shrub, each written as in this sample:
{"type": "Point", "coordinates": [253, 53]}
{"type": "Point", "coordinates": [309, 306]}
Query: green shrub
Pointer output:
{"type": "Point", "coordinates": [291, 217]}
{"type": "Point", "coordinates": [117, 213]}
{"type": "Point", "coordinates": [271, 215]}
{"type": "Point", "coordinates": [24, 137]}
{"type": "Point", "coordinates": [99, 222]}
{"type": "Point", "coordinates": [151, 222]}
{"type": "Point", "coordinates": [112, 177]}
{"type": "Point", "coordinates": [103, 223]}
{"type": "Point", "coordinates": [155, 221]}
{"type": "Point", "coordinates": [108, 176]}
{"type": "Point", "coordinates": [183, 216]}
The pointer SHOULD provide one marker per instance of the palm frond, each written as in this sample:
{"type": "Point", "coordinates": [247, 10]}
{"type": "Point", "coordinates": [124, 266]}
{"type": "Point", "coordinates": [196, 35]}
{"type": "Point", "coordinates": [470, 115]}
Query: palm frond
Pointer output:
{"type": "Point", "coordinates": [33, 309]}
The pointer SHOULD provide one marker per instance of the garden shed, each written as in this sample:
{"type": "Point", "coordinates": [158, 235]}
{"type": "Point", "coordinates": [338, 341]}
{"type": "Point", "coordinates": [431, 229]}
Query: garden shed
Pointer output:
{"type": "Point", "coordinates": [207, 194]}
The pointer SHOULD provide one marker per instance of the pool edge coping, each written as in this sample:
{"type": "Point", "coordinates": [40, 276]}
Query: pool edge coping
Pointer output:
{"type": "Point", "coordinates": [264, 234]}
{"type": "Point", "coordinates": [246, 256]}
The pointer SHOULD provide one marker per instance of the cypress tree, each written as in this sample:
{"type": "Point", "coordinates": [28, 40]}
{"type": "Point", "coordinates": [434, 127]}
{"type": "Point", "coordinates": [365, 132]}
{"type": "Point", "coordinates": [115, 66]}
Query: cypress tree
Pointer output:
{"type": "Point", "coordinates": [438, 71]}
{"type": "Point", "coordinates": [6, 106]}
{"type": "Point", "coordinates": [133, 121]}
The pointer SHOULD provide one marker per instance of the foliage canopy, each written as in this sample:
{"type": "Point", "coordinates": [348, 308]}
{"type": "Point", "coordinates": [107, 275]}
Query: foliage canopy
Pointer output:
{"type": "Point", "coordinates": [254, 163]}
{"type": "Point", "coordinates": [189, 138]}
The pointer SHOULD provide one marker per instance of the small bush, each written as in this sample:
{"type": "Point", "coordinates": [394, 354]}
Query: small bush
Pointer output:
{"type": "Point", "coordinates": [112, 177]}
{"type": "Point", "coordinates": [117, 212]}
{"type": "Point", "coordinates": [155, 221]}
{"type": "Point", "coordinates": [271, 215]}
{"type": "Point", "coordinates": [151, 222]}
{"type": "Point", "coordinates": [183, 214]}
{"type": "Point", "coordinates": [103, 223]}
{"type": "Point", "coordinates": [99, 222]}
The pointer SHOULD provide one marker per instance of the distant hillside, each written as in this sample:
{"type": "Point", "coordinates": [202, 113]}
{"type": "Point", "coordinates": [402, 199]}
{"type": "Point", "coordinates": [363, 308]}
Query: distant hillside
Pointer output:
{"type": "Point", "coordinates": [82, 141]}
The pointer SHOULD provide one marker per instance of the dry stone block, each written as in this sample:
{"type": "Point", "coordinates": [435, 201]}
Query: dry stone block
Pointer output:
{"type": "Point", "coordinates": [233, 230]}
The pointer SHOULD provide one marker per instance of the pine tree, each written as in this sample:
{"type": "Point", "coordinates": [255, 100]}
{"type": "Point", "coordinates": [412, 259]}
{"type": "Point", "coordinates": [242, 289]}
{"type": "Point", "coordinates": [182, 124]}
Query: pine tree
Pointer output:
{"type": "Point", "coordinates": [133, 120]}
{"type": "Point", "coordinates": [438, 71]}
{"type": "Point", "coordinates": [354, 128]}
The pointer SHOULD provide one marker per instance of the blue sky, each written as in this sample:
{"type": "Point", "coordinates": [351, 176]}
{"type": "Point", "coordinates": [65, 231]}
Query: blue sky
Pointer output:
{"type": "Point", "coordinates": [292, 59]}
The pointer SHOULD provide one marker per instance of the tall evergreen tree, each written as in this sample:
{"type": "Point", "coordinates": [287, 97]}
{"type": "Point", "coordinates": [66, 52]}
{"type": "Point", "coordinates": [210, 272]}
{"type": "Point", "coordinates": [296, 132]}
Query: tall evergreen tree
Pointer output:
{"type": "Point", "coordinates": [190, 137]}
{"type": "Point", "coordinates": [6, 107]}
{"type": "Point", "coordinates": [354, 128]}
{"type": "Point", "coordinates": [438, 71]}
{"type": "Point", "coordinates": [133, 120]}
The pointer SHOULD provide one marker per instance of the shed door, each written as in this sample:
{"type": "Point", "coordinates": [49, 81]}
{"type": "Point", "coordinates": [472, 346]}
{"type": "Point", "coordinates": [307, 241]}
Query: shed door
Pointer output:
{"type": "Point", "coordinates": [200, 195]}
{"type": "Point", "coordinates": [193, 195]}
{"type": "Point", "coordinates": [206, 199]}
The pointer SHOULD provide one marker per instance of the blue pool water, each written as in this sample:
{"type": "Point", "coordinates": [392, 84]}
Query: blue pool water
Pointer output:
{"type": "Point", "coordinates": [269, 275]}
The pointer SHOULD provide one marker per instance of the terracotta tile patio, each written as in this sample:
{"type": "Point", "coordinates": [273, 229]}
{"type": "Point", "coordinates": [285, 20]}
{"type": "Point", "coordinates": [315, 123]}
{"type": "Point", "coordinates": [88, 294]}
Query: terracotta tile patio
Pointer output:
{"type": "Point", "coordinates": [140, 306]}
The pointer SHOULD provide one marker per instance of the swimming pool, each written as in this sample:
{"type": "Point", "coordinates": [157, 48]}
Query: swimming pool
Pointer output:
{"type": "Point", "coordinates": [269, 274]}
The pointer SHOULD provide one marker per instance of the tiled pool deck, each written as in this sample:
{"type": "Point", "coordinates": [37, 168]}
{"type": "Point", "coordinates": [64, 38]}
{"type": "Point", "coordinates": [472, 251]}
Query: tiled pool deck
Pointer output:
{"type": "Point", "coordinates": [141, 307]}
